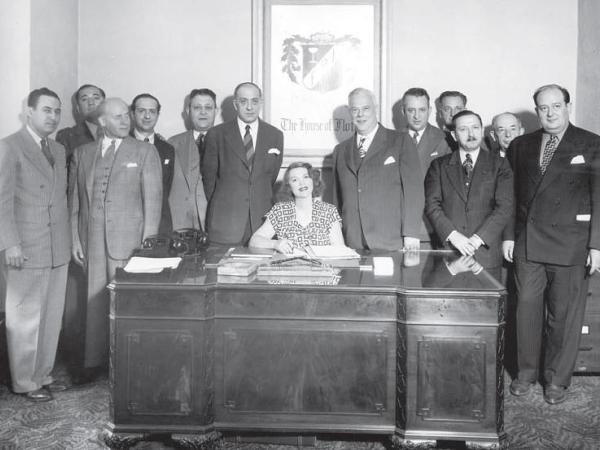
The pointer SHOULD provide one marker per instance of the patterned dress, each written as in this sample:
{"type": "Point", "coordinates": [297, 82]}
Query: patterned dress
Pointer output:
{"type": "Point", "coordinates": [283, 219]}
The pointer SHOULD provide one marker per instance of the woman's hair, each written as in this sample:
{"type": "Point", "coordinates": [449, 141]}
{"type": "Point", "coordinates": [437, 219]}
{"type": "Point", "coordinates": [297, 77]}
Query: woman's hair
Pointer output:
{"type": "Point", "coordinates": [285, 192]}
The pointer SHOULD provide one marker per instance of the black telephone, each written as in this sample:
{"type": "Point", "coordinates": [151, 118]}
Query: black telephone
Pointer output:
{"type": "Point", "coordinates": [186, 241]}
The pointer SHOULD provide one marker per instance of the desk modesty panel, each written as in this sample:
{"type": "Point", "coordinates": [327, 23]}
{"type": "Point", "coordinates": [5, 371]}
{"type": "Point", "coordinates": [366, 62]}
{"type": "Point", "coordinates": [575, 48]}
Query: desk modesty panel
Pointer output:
{"type": "Point", "coordinates": [416, 355]}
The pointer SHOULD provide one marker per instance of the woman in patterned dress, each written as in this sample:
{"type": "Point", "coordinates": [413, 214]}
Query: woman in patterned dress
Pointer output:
{"type": "Point", "coordinates": [301, 219]}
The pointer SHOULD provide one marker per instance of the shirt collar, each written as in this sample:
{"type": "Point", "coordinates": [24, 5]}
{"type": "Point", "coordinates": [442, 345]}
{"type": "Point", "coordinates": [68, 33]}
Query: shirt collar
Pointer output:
{"type": "Point", "coordinates": [37, 138]}
{"type": "Point", "coordinates": [142, 137]}
{"type": "Point", "coordinates": [106, 143]}
{"type": "Point", "coordinates": [368, 137]}
{"type": "Point", "coordinates": [419, 133]}
{"type": "Point", "coordinates": [474, 155]}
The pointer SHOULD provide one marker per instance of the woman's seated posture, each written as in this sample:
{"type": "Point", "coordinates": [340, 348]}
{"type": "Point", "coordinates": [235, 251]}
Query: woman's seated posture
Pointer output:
{"type": "Point", "coordinates": [300, 219]}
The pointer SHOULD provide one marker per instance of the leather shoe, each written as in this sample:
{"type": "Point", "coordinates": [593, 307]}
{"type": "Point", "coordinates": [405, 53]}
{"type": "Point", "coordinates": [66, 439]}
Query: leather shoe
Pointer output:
{"type": "Point", "coordinates": [39, 395]}
{"type": "Point", "coordinates": [520, 388]}
{"type": "Point", "coordinates": [55, 386]}
{"type": "Point", "coordinates": [554, 394]}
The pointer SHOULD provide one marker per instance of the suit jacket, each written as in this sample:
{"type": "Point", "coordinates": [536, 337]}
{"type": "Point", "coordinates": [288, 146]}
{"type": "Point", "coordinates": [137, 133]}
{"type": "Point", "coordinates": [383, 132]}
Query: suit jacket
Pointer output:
{"type": "Point", "coordinates": [380, 197]}
{"type": "Point", "coordinates": [74, 137]}
{"type": "Point", "coordinates": [484, 211]}
{"type": "Point", "coordinates": [431, 146]}
{"type": "Point", "coordinates": [33, 201]}
{"type": "Point", "coordinates": [166, 153]}
{"type": "Point", "coordinates": [133, 197]}
{"type": "Point", "coordinates": [235, 193]}
{"type": "Point", "coordinates": [187, 199]}
{"type": "Point", "coordinates": [557, 214]}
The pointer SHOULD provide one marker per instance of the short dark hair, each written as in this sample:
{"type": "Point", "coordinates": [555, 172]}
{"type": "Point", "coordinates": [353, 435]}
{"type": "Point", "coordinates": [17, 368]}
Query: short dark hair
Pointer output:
{"type": "Point", "coordinates": [445, 94]}
{"type": "Point", "coordinates": [83, 86]}
{"type": "Point", "coordinates": [416, 92]}
{"type": "Point", "coordinates": [565, 93]}
{"type": "Point", "coordinates": [144, 95]}
{"type": "Point", "coordinates": [465, 112]}
{"type": "Point", "coordinates": [202, 91]}
{"type": "Point", "coordinates": [285, 192]}
{"type": "Point", "coordinates": [247, 83]}
{"type": "Point", "coordinates": [34, 96]}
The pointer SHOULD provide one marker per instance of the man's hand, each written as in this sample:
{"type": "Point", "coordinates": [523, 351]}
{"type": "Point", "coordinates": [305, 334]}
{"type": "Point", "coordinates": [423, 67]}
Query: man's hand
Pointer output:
{"type": "Point", "coordinates": [77, 254]}
{"type": "Point", "coordinates": [14, 257]}
{"type": "Point", "coordinates": [461, 243]}
{"type": "Point", "coordinates": [476, 241]}
{"type": "Point", "coordinates": [507, 250]}
{"type": "Point", "coordinates": [593, 260]}
{"type": "Point", "coordinates": [411, 243]}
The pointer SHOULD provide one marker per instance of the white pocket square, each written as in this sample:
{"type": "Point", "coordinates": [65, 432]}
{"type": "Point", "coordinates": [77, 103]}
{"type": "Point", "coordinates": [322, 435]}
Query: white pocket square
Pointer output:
{"type": "Point", "coordinates": [578, 160]}
{"type": "Point", "coordinates": [273, 151]}
{"type": "Point", "coordinates": [389, 160]}
{"type": "Point", "coordinates": [434, 154]}
{"type": "Point", "coordinates": [166, 161]}
{"type": "Point", "coordinates": [583, 217]}
{"type": "Point", "coordinates": [131, 165]}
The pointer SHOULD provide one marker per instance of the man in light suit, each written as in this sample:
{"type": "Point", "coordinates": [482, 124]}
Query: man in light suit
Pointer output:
{"type": "Point", "coordinates": [187, 198]}
{"type": "Point", "coordinates": [36, 242]}
{"type": "Point", "coordinates": [115, 203]}
{"type": "Point", "coordinates": [240, 168]}
{"type": "Point", "coordinates": [469, 195]}
{"type": "Point", "coordinates": [556, 233]}
{"type": "Point", "coordinates": [427, 141]}
{"type": "Point", "coordinates": [377, 184]}
{"type": "Point", "coordinates": [87, 99]}
{"type": "Point", "coordinates": [145, 110]}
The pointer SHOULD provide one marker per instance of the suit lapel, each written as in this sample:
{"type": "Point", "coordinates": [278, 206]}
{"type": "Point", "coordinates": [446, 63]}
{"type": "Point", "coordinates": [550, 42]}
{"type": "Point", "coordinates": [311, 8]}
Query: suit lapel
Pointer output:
{"type": "Point", "coordinates": [455, 175]}
{"type": "Point", "coordinates": [259, 146]}
{"type": "Point", "coordinates": [351, 156]}
{"type": "Point", "coordinates": [88, 160]}
{"type": "Point", "coordinates": [378, 144]}
{"type": "Point", "coordinates": [34, 154]}
{"type": "Point", "coordinates": [560, 161]}
{"type": "Point", "coordinates": [235, 142]}
{"type": "Point", "coordinates": [482, 169]}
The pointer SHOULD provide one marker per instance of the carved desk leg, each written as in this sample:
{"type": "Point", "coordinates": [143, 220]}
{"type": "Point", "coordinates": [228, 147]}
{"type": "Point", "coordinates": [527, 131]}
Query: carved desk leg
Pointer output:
{"type": "Point", "coordinates": [502, 444]}
{"type": "Point", "coordinates": [121, 441]}
{"type": "Point", "coordinates": [209, 441]}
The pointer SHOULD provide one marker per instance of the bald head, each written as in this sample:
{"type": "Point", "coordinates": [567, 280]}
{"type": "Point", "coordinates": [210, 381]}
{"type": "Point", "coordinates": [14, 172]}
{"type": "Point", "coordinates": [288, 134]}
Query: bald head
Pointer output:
{"type": "Point", "coordinates": [114, 118]}
{"type": "Point", "coordinates": [506, 127]}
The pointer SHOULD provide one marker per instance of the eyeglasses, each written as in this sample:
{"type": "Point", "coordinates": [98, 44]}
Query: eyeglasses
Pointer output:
{"type": "Point", "coordinates": [357, 111]}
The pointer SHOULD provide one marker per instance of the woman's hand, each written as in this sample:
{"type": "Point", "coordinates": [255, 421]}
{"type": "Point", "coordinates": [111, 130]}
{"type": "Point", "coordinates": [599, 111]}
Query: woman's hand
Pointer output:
{"type": "Point", "coordinates": [284, 246]}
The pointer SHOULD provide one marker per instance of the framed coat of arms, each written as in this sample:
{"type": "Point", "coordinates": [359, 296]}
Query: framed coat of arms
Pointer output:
{"type": "Point", "coordinates": [308, 55]}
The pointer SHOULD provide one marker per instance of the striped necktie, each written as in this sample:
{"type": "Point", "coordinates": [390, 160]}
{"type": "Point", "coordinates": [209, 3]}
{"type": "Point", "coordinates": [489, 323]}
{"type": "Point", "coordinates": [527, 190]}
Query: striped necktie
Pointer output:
{"type": "Point", "coordinates": [415, 138]}
{"type": "Point", "coordinates": [468, 166]}
{"type": "Point", "coordinates": [46, 151]}
{"type": "Point", "coordinates": [248, 145]}
{"type": "Point", "coordinates": [362, 151]}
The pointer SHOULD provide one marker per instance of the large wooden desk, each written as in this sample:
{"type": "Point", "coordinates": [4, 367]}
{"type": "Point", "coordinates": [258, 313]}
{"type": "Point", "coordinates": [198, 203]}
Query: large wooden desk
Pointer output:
{"type": "Point", "coordinates": [416, 356]}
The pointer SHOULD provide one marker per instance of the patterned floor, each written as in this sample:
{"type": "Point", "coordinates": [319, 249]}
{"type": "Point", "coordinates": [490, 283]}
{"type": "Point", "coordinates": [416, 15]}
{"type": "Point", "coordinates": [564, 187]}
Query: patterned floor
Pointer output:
{"type": "Point", "coordinates": [75, 418]}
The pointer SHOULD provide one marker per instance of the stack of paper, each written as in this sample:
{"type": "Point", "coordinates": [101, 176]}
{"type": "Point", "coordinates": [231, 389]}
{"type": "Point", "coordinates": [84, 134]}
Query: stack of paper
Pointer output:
{"type": "Point", "coordinates": [326, 252]}
{"type": "Point", "coordinates": [139, 264]}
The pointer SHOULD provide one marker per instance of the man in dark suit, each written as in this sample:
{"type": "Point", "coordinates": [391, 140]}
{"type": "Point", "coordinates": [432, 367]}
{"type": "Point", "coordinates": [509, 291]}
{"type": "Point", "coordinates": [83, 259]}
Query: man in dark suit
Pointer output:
{"type": "Point", "coordinates": [87, 98]}
{"type": "Point", "coordinates": [187, 199]}
{"type": "Point", "coordinates": [35, 242]}
{"type": "Point", "coordinates": [448, 104]}
{"type": "Point", "coordinates": [505, 127]}
{"type": "Point", "coordinates": [115, 198]}
{"type": "Point", "coordinates": [145, 109]}
{"type": "Point", "coordinates": [469, 194]}
{"type": "Point", "coordinates": [377, 184]}
{"type": "Point", "coordinates": [556, 233]}
{"type": "Point", "coordinates": [241, 164]}
{"type": "Point", "coordinates": [427, 141]}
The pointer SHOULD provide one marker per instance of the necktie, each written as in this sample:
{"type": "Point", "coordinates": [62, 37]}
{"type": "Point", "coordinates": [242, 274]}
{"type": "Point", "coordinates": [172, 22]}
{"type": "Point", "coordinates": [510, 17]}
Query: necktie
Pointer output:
{"type": "Point", "coordinates": [362, 151]}
{"type": "Point", "coordinates": [46, 151]}
{"type": "Point", "coordinates": [200, 145]}
{"type": "Point", "coordinates": [110, 151]}
{"type": "Point", "coordinates": [415, 138]}
{"type": "Point", "coordinates": [146, 139]}
{"type": "Point", "coordinates": [468, 167]}
{"type": "Point", "coordinates": [548, 152]}
{"type": "Point", "coordinates": [248, 145]}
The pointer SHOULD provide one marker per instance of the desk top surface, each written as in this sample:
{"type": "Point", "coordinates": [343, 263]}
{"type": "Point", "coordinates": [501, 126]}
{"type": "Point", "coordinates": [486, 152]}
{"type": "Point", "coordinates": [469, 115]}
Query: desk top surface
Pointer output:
{"type": "Point", "coordinates": [422, 270]}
